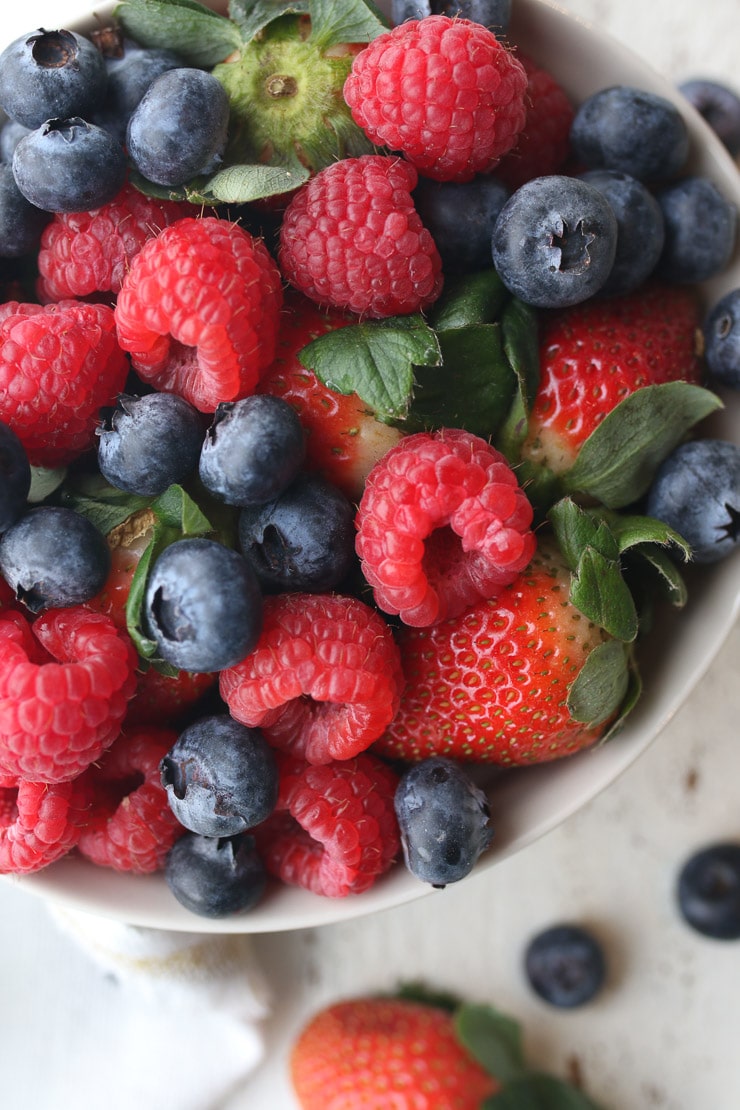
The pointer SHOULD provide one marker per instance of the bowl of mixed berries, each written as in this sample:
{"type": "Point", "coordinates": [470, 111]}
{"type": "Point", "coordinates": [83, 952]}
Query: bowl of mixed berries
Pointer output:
{"type": "Point", "coordinates": [369, 437]}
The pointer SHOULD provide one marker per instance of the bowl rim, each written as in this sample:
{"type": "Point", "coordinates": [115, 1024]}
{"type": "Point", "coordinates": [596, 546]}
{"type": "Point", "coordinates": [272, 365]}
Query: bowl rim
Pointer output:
{"type": "Point", "coordinates": [565, 786]}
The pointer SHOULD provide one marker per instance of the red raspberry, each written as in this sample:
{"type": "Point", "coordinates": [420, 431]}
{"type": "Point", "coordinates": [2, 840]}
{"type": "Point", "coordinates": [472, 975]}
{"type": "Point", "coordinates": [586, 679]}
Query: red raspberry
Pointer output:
{"type": "Point", "coordinates": [351, 238]}
{"type": "Point", "coordinates": [131, 825]}
{"type": "Point", "coordinates": [324, 680]}
{"type": "Point", "coordinates": [59, 364]}
{"type": "Point", "coordinates": [40, 823]}
{"type": "Point", "coordinates": [198, 311]}
{"type": "Point", "coordinates": [86, 253]}
{"type": "Point", "coordinates": [453, 481]}
{"type": "Point", "coordinates": [543, 146]}
{"type": "Point", "coordinates": [161, 699]}
{"type": "Point", "coordinates": [335, 830]}
{"type": "Point", "coordinates": [64, 684]}
{"type": "Point", "coordinates": [444, 92]}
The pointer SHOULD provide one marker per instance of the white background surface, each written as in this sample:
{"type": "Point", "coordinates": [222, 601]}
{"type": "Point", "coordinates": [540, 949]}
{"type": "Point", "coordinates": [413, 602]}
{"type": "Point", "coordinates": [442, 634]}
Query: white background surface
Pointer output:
{"type": "Point", "coordinates": [665, 1032]}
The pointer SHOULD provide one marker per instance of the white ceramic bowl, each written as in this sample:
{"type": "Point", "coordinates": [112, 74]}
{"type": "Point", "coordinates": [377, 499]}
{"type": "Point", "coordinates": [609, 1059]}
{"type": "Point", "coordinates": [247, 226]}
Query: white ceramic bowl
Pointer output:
{"type": "Point", "coordinates": [525, 803]}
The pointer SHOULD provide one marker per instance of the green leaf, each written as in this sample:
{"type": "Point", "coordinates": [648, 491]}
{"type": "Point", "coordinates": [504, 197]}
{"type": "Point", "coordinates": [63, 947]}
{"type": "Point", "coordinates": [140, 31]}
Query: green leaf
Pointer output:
{"type": "Point", "coordinates": [521, 346]}
{"type": "Point", "coordinates": [472, 299]}
{"type": "Point", "coordinates": [419, 992]}
{"type": "Point", "coordinates": [104, 505]}
{"type": "Point", "coordinates": [601, 684]}
{"type": "Point", "coordinates": [575, 529]}
{"type": "Point", "coordinates": [471, 389]}
{"type": "Point", "coordinates": [176, 509]}
{"type": "Point", "coordinates": [617, 462]}
{"type": "Point", "coordinates": [199, 35]}
{"type": "Point", "coordinates": [628, 703]}
{"type": "Point", "coordinates": [600, 592]}
{"type": "Point", "coordinates": [666, 578]}
{"type": "Point", "coordinates": [375, 360]}
{"type": "Point", "coordinates": [539, 1092]}
{"type": "Point", "coordinates": [44, 481]}
{"type": "Point", "coordinates": [340, 21]}
{"type": "Point", "coordinates": [493, 1039]}
{"type": "Point", "coordinates": [632, 529]}
{"type": "Point", "coordinates": [252, 17]}
{"type": "Point", "coordinates": [244, 183]}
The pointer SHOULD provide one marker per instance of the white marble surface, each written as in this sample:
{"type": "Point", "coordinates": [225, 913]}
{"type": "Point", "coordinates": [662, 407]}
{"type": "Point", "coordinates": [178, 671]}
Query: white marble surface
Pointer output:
{"type": "Point", "coordinates": [665, 1032]}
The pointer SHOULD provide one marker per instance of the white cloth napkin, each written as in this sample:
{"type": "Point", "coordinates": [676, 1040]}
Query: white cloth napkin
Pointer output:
{"type": "Point", "coordinates": [185, 1019]}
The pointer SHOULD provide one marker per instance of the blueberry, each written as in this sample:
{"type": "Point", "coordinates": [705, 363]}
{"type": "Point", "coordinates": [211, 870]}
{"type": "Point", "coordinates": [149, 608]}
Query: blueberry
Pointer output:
{"type": "Point", "coordinates": [203, 605]}
{"type": "Point", "coordinates": [129, 77]}
{"type": "Point", "coordinates": [719, 106]}
{"type": "Point", "coordinates": [11, 134]}
{"type": "Point", "coordinates": [145, 444]}
{"type": "Point", "coordinates": [494, 14]}
{"type": "Point", "coordinates": [554, 241]}
{"type": "Point", "coordinates": [708, 891]}
{"type": "Point", "coordinates": [51, 75]}
{"type": "Point", "coordinates": [302, 540]}
{"type": "Point", "coordinates": [722, 340]}
{"type": "Point", "coordinates": [444, 821]}
{"type": "Point", "coordinates": [696, 491]}
{"type": "Point", "coordinates": [700, 230]}
{"type": "Point", "coordinates": [215, 877]}
{"type": "Point", "coordinates": [640, 229]}
{"type": "Point", "coordinates": [461, 218]}
{"type": "Point", "coordinates": [69, 165]}
{"type": "Point", "coordinates": [179, 128]}
{"type": "Point", "coordinates": [221, 777]}
{"type": "Point", "coordinates": [632, 131]}
{"type": "Point", "coordinates": [21, 223]}
{"type": "Point", "coordinates": [253, 449]}
{"type": "Point", "coordinates": [565, 966]}
{"type": "Point", "coordinates": [15, 477]}
{"type": "Point", "coordinates": [53, 557]}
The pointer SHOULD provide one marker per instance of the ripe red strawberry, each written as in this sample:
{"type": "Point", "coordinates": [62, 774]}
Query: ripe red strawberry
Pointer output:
{"type": "Point", "coordinates": [492, 684]}
{"type": "Point", "coordinates": [377, 1053]}
{"type": "Point", "coordinates": [343, 438]}
{"type": "Point", "coordinates": [595, 354]}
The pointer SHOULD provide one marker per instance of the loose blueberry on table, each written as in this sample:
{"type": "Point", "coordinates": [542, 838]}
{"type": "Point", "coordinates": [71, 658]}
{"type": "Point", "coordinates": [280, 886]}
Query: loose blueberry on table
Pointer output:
{"type": "Point", "coordinates": [343, 441]}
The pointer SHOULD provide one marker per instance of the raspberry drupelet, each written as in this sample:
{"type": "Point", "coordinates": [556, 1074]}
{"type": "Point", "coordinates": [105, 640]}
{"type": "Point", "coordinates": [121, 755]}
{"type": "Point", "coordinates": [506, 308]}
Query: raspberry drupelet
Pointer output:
{"type": "Point", "coordinates": [198, 311]}
{"type": "Point", "coordinates": [443, 92]}
{"type": "Point", "coordinates": [40, 822]}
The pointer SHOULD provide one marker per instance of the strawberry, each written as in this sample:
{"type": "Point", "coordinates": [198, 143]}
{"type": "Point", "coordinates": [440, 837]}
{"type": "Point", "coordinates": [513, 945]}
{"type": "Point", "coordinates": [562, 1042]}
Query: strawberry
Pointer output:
{"type": "Point", "coordinates": [374, 1053]}
{"type": "Point", "coordinates": [493, 684]}
{"type": "Point", "coordinates": [595, 354]}
{"type": "Point", "coordinates": [344, 440]}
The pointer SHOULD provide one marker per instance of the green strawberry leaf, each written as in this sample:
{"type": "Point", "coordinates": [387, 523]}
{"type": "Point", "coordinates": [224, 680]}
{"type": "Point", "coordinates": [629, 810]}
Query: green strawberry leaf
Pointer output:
{"type": "Point", "coordinates": [104, 506]}
{"type": "Point", "coordinates": [44, 482]}
{"type": "Point", "coordinates": [472, 387]}
{"type": "Point", "coordinates": [521, 347]}
{"type": "Point", "coordinates": [252, 16]}
{"type": "Point", "coordinates": [666, 578]}
{"type": "Point", "coordinates": [376, 360]}
{"type": "Point", "coordinates": [539, 1092]}
{"type": "Point", "coordinates": [339, 21]}
{"type": "Point", "coordinates": [632, 529]}
{"type": "Point", "coordinates": [177, 516]}
{"type": "Point", "coordinates": [418, 991]}
{"type": "Point", "coordinates": [601, 685]}
{"type": "Point", "coordinates": [617, 462]}
{"type": "Point", "coordinates": [245, 183]}
{"type": "Point", "coordinates": [600, 592]}
{"type": "Point", "coordinates": [576, 529]}
{"type": "Point", "coordinates": [473, 299]}
{"type": "Point", "coordinates": [628, 703]}
{"type": "Point", "coordinates": [493, 1039]}
{"type": "Point", "coordinates": [199, 35]}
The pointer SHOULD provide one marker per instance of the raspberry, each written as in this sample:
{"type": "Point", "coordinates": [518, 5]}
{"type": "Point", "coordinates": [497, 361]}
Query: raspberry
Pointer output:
{"type": "Point", "coordinates": [40, 823]}
{"type": "Point", "coordinates": [543, 146]}
{"type": "Point", "coordinates": [131, 826]}
{"type": "Point", "coordinates": [352, 239]}
{"type": "Point", "coordinates": [335, 829]}
{"type": "Point", "coordinates": [442, 524]}
{"type": "Point", "coordinates": [88, 253]}
{"type": "Point", "coordinates": [444, 92]}
{"type": "Point", "coordinates": [59, 364]}
{"type": "Point", "coordinates": [64, 684]}
{"type": "Point", "coordinates": [198, 311]}
{"type": "Point", "coordinates": [161, 699]}
{"type": "Point", "coordinates": [323, 682]}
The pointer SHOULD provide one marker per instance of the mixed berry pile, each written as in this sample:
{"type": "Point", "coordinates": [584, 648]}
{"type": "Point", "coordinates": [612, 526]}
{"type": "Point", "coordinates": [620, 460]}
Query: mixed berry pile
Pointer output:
{"type": "Point", "coordinates": [351, 428]}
